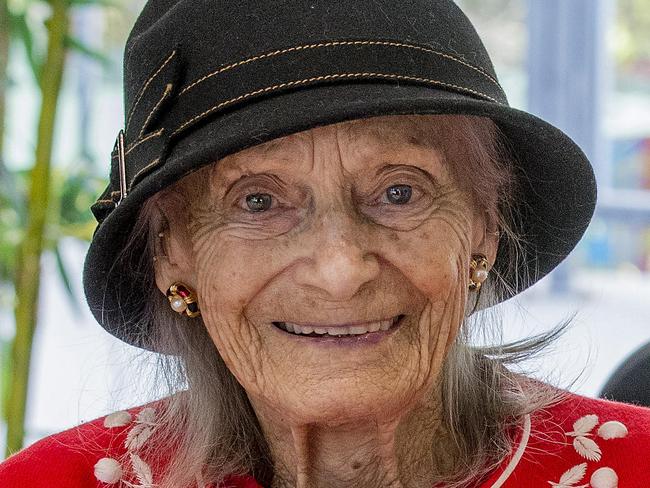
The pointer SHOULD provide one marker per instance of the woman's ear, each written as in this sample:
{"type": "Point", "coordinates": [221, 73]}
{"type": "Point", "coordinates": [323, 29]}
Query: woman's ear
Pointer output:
{"type": "Point", "coordinates": [173, 260]}
{"type": "Point", "coordinates": [485, 236]}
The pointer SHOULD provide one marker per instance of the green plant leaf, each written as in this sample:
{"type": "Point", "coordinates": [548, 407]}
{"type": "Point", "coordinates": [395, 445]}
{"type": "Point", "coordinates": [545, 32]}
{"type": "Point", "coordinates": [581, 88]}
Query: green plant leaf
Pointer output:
{"type": "Point", "coordinates": [65, 279]}
{"type": "Point", "coordinates": [18, 22]}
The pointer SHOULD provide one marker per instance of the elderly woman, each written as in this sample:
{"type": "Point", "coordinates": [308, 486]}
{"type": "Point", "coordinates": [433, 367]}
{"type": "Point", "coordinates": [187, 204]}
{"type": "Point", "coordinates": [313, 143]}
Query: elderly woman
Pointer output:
{"type": "Point", "coordinates": [309, 208]}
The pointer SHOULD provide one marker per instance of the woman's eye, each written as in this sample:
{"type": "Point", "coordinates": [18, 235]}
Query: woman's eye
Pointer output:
{"type": "Point", "coordinates": [263, 202]}
{"type": "Point", "coordinates": [399, 194]}
{"type": "Point", "coordinates": [258, 202]}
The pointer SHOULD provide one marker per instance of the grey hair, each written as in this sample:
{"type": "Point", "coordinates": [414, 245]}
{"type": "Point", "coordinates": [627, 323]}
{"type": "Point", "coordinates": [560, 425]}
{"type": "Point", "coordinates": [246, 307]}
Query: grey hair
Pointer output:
{"type": "Point", "coordinates": [208, 423]}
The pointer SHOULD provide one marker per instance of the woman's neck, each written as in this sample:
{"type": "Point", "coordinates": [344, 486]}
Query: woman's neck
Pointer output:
{"type": "Point", "coordinates": [412, 450]}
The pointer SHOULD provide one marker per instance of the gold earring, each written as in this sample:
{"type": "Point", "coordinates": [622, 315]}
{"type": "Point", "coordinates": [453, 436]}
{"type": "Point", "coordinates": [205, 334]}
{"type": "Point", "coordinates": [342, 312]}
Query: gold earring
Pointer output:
{"type": "Point", "coordinates": [478, 271]}
{"type": "Point", "coordinates": [183, 300]}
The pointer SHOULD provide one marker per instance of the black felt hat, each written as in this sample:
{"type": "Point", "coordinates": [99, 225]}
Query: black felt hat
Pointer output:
{"type": "Point", "coordinates": [207, 78]}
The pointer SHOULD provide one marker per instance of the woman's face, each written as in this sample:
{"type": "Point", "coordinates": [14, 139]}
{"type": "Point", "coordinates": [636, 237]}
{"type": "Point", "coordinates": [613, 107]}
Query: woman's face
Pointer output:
{"type": "Point", "coordinates": [356, 222]}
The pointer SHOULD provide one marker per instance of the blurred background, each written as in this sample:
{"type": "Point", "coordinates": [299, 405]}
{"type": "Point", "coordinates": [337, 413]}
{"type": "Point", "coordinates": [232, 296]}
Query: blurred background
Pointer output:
{"type": "Point", "coordinates": [583, 65]}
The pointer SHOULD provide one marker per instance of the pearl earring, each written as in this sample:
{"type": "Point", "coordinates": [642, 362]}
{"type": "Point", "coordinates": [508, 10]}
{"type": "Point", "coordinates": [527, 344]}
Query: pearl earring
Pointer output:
{"type": "Point", "coordinates": [478, 271]}
{"type": "Point", "coordinates": [183, 300]}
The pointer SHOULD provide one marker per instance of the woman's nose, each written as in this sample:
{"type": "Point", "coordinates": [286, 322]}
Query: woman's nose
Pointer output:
{"type": "Point", "coordinates": [339, 262]}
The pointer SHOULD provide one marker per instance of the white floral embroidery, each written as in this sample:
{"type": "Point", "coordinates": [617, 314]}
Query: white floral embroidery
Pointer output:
{"type": "Point", "coordinates": [142, 471]}
{"type": "Point", "coordinates": [584, 425]}
{"type": "Point", "coordinates": [140, 433]}
{"type": "Point", "coordinates": [586, 447]}
{"type": "Point", "coordinates": [146, 416]}
{"type": "Point", "coordinates": [108, 470]}
{"type": "Point", "coordinates": [612, 430]}
{"type": "Point", "coordinates": [571, 477]}
{"type": "Point", "coordinates": [137, 436]}
{"type": "Point", "coordinates": [117, 419]}
{"type": "Point", "coordinates": [604, 478]}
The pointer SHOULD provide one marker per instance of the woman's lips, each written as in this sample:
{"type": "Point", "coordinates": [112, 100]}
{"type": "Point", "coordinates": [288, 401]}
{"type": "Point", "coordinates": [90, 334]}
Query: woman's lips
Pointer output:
{"type": "Point", "coordinates": [337, 333]}
{"type": "Point", "coordinates": [346, 324]}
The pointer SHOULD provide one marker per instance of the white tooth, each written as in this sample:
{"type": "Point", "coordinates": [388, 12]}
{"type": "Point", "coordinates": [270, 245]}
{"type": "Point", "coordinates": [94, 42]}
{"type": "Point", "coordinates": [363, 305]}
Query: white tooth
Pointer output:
{"type": "Point", "coordinates": [374, 327]}
{"type": "Point", "coordinates": [335, 331]}
{"type": "Point", "coordinates": [295, 328]}
{"type": "Point", "coordinates": [385, 324]}
{"type": "Point", "coordinates": [339, 331]}
{"type": "Point", "coordinates": [358, 329]}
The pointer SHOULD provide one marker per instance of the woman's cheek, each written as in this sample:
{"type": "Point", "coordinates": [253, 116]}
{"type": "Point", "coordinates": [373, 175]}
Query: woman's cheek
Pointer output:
{"type": "Point", "coordinates": [433, 257]}
{"type": "Point", "coordinates": [238, 343]}
{"type": "Point", "coordinates": [429, 263]}
{"type": "Point", "coordinates": [230, 273]}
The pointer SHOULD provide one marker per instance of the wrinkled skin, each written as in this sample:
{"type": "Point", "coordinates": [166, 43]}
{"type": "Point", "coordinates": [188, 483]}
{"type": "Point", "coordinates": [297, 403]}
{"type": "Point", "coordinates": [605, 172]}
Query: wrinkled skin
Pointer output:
{"type": "Point", "coordinates": [332, 248]}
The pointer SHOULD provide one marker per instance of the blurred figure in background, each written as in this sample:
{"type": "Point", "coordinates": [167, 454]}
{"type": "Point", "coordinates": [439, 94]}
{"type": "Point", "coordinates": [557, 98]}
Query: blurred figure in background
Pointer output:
{"type": "Point", "coordinates": [630, 383]}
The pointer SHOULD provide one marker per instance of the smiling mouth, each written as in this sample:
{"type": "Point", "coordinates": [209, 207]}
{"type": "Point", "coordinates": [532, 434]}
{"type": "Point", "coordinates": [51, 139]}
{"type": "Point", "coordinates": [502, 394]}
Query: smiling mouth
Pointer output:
{"type": "Point", "coordinates": [340, 331]}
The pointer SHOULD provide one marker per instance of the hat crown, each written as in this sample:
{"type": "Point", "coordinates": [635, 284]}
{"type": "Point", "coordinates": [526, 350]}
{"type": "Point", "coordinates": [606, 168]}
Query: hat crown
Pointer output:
{"type": "Point", "coordinates": [213, 33]}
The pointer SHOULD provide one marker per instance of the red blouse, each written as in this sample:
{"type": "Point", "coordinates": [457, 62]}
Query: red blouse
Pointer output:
{"type": "Point", "coordinates": [578, 443]}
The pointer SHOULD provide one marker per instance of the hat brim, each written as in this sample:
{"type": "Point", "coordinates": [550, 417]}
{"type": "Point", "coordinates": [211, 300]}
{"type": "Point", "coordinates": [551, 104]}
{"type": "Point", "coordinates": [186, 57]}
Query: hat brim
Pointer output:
{"type": "Point", "coordinates": [557, 183]}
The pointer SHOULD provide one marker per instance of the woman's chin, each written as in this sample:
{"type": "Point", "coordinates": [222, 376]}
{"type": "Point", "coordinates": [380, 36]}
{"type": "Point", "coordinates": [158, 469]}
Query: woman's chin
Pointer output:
{"type": "Point", "coordinates": [341, 404]}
